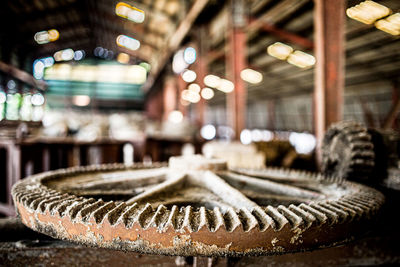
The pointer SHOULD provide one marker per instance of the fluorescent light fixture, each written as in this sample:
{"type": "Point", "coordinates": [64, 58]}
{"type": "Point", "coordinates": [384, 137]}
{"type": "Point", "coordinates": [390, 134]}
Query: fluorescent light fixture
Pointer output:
{"type": "Point", "coordinates": [44, 37]}
{"type": "Point", "coordinates": [64, 55]}
{"type": "Point", "coordinates": [189, 55]}
{"type": "Point", "coordinates": [208, 132]}
{"type": "Point", "coordinates": [301, 59]}
{"type": "Point", "coordinates": [81, 100]}
{"type": "Point", "coordinates": [212, 81]}
{"type": "Point", "coordinates": [226, 86]}
{"type": "Point", "coordinates": [194, 87]}
{"type": "Point", "coordinates": [367, 12]}
{"type": "Point", "coordinates": [123, 58]}
{"type": "Point", "coordinates": [178, 62]}
{"type": "Point", "coordinates": [207, 93]}
{"type": "Point", "coordinates": [79, 55]}
{"type": "Point", "coordinates": [190, 96]}
{"type": "Point", "coordinates": [129, 12]}
{"type": "Point", "coordinates": [251, 76]}
{"type": "Point", "coordinates": [37, 99]}
{"type": "Point", "coordinates": [189, 76]}
{"type": "Point", "coordinates": [390, 25]}
{"type": "Point", "coordinates": [279, 50]}
{"type": "Point", "coordinates": [128, 42]}
{"type": "Point", "coordinates": [175, 116]}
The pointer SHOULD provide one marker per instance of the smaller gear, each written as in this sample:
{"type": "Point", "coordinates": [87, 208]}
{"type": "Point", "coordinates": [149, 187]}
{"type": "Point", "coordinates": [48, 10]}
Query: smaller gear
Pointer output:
{"type": "Point", "coordinates": [348, 151]}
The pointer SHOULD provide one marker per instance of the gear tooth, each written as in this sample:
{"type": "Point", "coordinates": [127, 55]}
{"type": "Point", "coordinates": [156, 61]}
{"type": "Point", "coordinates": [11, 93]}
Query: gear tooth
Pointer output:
{"type": "Point", "coordinates": [350, 211]}
{"type": "Point", "coordinates": [77, 206]}
{"type": "Point", "coordinates": [28, 198]}
{"type": "Point", "coordinates": [247, 220]}
{"type": "Point", "coordinates": [294, 220]}
{"type": "Point", "coordinates": [231, 220]}
{"type": "Point", "coordinates": [129, 215]}
{"type": "Point", "coordinates": [308, 218]}
{"type": "Point", "coordinates": [191, 221]}
{"type": "Point", "coordinates": [279, 220]}
{"type": "Point", "coordinates": [35, 202]}
{"type": "Point", "coordinates": [321, 217]}
{"type": "Point", "coordinates": [218, 220]}
{"type": "Point", "coordinates": [145, 216]}
{"type": "Point", "coordinates": [101, 212]}
{"type": "Point", "coordinates": [160, 217]}
{"type": "Point", "coordinates": [84, 213]}
{"type": "Point", "coordinates": [174, 218]}
{"type": "Point", "coordinates": [343, 215]}
{"type": "Point", "coordinates": [332, 216]}
{"type": "Point", "coordinates": [53, 206]}
{"type": "Point", "coordinates": [114, 214]}
{"type": "Point", "coordinates": [44, 203]}
{"type": "Point", "coordinates": [263, 219]}
{"type": "Point", "coordinates": [204, 219]}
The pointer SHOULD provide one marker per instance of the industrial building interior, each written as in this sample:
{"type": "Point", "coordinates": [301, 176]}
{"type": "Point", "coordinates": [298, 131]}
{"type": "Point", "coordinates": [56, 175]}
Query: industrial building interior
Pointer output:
{"type": "Point", "coordinates": [199, 132]}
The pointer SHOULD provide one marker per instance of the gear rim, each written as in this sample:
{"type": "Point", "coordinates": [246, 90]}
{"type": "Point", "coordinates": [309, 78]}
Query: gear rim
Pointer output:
{"type": "Point", "coordinates": [41, 209]}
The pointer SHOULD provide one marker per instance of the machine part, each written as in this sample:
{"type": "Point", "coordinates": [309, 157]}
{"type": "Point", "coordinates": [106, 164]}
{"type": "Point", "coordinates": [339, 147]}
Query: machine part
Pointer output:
{"type": "Point", "coordinates": [347, 151]}
{"type": "Point", "coordinates": [196, 206]}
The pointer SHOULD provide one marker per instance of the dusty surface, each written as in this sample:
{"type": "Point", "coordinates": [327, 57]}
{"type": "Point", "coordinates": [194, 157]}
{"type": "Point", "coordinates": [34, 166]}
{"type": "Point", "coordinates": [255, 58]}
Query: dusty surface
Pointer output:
{"type": "Point", "coordinates": [197, 211]}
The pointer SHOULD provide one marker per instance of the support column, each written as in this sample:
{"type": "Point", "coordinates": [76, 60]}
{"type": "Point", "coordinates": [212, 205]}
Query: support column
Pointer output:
{"type": "Point", "coordinates": [236, 62]}
{"type": "Point", "coordinates": [169, 97]}
{"type": "Point", "coordinates": [181, 84]}
{"type": "Point", "coordinates": [329, 21]}
{"type": "Point", "coordinates": [201, 71]}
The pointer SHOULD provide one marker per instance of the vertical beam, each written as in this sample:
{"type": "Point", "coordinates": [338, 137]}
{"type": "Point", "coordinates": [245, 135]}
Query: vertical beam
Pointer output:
{"type": "Point", "coordinates": [236, 62]}
{"type": "Point", "coordinates": [271, 114]}
{"type": "Point", "coordinates": [329, 24]}
{"type": "Point", "coordinates": [181, 84]}
{"type": "Point", "coordinates": [169, 96]}
{"type": "Point", "coordinates": [201, 71]}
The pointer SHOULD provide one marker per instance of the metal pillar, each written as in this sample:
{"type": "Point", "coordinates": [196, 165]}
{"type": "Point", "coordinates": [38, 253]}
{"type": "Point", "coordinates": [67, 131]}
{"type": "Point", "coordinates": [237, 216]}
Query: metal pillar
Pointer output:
{"type": "Point", "coordinates": [329, 21]}
{"type": "Point", "coordinates": [201, 71]}
{"type": "Point", "coordinates": [169, 97]}
{"type": "Point", "coordinates": [181, 84]}
{"type": "Point", "coordinates": [236, 62]}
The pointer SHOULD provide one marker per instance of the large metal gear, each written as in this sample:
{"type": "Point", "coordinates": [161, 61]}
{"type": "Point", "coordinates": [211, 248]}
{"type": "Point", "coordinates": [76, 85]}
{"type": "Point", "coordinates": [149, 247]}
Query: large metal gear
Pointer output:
{"type": "Point", "coordinates": [195, 206]}
{"type": "Point", "coordinates": [347, 151]}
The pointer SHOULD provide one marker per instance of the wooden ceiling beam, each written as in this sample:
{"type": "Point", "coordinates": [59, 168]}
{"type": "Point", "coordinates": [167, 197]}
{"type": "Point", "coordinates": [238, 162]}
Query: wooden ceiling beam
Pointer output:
{"type": "Point", "coordinates": [22, 76]}
{"type": "Point", "coordinates": [174, 41]}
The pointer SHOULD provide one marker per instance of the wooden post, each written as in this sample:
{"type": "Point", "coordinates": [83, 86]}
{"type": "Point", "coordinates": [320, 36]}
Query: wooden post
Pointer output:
{"type": "Point", "coordinates": [329, 21]}
{"type": "Point", "coordinates": [236, 62]}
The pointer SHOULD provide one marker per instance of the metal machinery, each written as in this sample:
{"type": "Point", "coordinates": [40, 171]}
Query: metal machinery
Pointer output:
{"type": "Point", "coordinates": [195, 207]}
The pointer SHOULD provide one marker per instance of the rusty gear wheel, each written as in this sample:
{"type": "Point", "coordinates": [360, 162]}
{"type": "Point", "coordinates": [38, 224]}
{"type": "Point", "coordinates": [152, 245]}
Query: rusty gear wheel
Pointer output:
{"type": "Point", "coordinates": [347, 151]}
{"type": "Point", "coordinates": [195, 206]}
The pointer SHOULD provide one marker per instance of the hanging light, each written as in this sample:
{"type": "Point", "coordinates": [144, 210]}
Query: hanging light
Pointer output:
{"type": "Point", "coordinates": [279, 50]}
{"type": "Point", "coordinates": [189, 55]}
{"type": "Point", "coordinates": [44, 37]}
{"type": "Point", "coordinates": [189, 76]}
{"type": "Point", "coordinates": [390, 25]}
{"type": "Point", "coordinates": [123, 58]}
{"type": "Point", "coordinates": [129, 12]}
{"type": "Point", "coordinates": [212, 81]}
{"type": "Point", "coordinates": [251, 76]}
{"type": "Point", "coordinates": [301, 59]}
{"type": "Point", "coordinates": [207, 93]}
{"type": "Point", "coordinates": [81, 100]}
{"type": "Point", "coordinates": [175, 116]}
{"type": "Point", "coordinates": [128, 42]}
{"type": "Point", "coordinates": [368, 12]}
{"type": "Point", "coordinates": [194, 87]}
{"type": "Point", "coordinates": [226, 86]}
